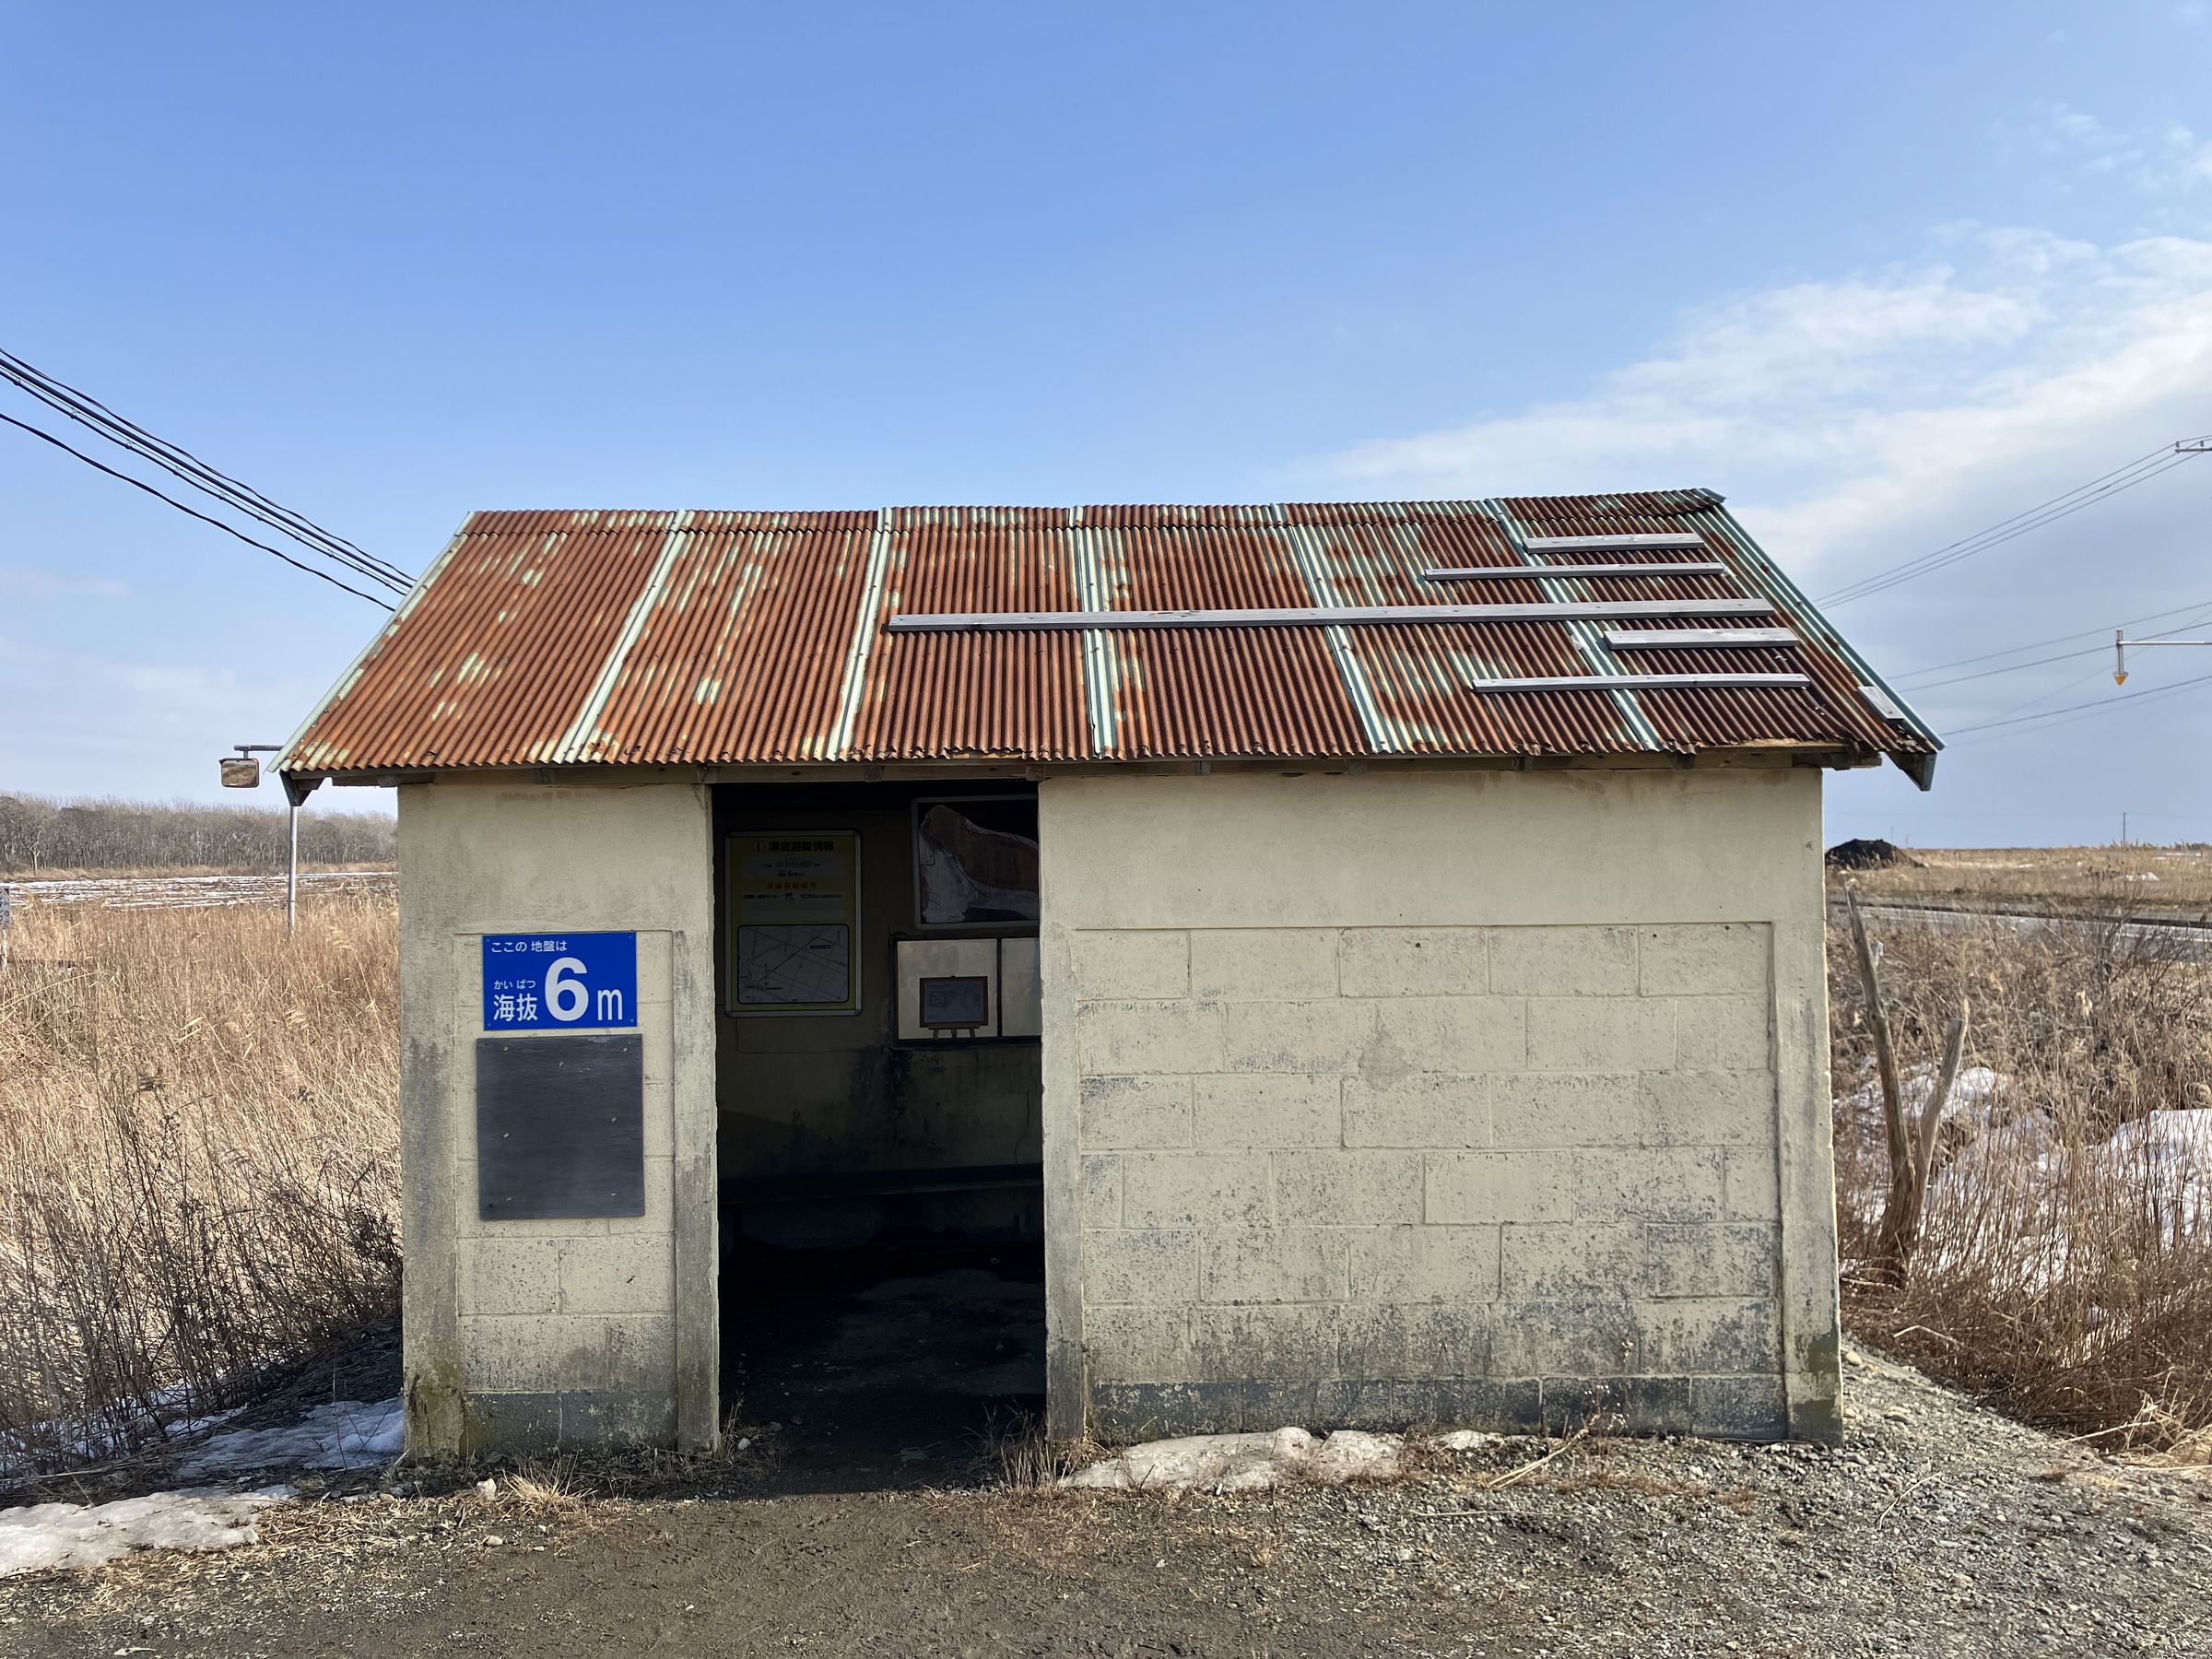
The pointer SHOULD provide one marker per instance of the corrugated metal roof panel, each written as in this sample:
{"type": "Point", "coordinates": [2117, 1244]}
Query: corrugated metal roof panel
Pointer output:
{"type": "Point", "coordinates": [731, 638]}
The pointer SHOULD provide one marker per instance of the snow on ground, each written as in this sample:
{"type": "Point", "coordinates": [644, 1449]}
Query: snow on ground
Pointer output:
{"type": "Point", "coordinates": [189, 892]}
{"type": "Point", "coordinates": [47, 1535]}
{"type": "Point", "coordinates": [344, 1435]}
{"type": "Point", "coordinates": [107, 1432]}
{"type": "Point", "coordinates": [2167, 1155]}
{"type": "Point", "coordinates": [1244, 1462]}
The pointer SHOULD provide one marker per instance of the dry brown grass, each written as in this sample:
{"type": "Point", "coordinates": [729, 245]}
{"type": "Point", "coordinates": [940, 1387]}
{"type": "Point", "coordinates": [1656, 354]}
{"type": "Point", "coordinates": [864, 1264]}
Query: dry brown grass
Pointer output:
{"type": "Point", "coordinates": [2080, 880]}
{"type": "Point", "coordinates": [2066, 1268]}
{"type": "Point", "coordinates": [198, 1159]}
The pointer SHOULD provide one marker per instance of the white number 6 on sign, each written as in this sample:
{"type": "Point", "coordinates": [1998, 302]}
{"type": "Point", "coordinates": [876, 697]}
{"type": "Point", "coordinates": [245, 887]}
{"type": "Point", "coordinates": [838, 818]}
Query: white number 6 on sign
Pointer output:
{"type": "Point", "coordinates": [566, 998]}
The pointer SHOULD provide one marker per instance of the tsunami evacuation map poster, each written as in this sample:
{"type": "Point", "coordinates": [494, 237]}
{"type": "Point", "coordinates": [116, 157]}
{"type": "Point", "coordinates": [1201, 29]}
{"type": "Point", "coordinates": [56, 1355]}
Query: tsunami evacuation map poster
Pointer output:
{"type": "Point", "coordinates": [794, 898]}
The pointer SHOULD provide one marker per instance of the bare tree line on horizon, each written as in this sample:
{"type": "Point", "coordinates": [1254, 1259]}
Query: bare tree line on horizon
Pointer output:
{"type": "Point", "coordinates": [38, 834]}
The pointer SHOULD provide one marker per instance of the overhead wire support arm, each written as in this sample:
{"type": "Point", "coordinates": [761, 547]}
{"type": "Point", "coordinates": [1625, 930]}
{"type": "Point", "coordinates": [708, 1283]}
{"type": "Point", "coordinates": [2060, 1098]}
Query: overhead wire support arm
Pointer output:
{"type": "Point", "coordinates": [2121, 643]}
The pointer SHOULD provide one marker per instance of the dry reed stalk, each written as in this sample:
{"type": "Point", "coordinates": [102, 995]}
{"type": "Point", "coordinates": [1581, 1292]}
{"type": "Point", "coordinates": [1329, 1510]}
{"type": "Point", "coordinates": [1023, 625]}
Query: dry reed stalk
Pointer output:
{"type": "Point", "coordinates": [2064, 1261]}
{"type": "Point", "coordinates": [198, 1160]}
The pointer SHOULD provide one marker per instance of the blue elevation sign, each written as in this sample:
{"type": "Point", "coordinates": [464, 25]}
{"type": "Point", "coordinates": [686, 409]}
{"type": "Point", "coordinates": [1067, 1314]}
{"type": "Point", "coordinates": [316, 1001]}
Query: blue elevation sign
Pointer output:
{"type": "Point", "coordinates": [560, 982]}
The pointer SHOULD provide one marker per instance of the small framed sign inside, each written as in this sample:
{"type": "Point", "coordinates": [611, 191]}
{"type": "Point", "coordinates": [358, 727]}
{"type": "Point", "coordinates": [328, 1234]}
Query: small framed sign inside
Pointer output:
{"type": "Point", "coordinates": [956, 1002]}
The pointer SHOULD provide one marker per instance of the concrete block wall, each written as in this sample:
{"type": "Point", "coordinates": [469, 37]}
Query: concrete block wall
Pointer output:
{"type": "Point", "coordinates": [567, 1326]}
{"type": "Point", "coordinates": [535, 1334]}
{"type": "Point", "coordinates": [1379, 1148]}
{"type": "Point", "coordinates": [1387, 1173]}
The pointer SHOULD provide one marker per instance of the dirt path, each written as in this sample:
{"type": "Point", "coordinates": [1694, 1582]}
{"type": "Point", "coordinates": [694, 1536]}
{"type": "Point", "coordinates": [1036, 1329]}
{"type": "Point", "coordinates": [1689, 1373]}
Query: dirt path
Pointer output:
{"type": "Point", "coordinates": [1939, 1528]}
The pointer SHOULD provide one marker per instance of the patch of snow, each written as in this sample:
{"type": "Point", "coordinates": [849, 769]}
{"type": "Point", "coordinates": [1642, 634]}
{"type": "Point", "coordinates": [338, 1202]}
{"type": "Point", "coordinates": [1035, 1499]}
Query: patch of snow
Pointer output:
{"type": "Point", "coordinates": [1467, 1440]}
{"type": "Point", "coordinates": [46, 1535]}
{"type": "Point", "coordinates": [174, 892]}
{"type": "Point", "coordinates": [1244, 1462]}
{"type": "Point", "coordinates": [345, 1435]}
{"type": "Point", "coordinates": [2167, 1157]}
{"type": "Point", "coordinates": [103, 1433]}
{"type": "Point", "coordinates": [2181, 1139]}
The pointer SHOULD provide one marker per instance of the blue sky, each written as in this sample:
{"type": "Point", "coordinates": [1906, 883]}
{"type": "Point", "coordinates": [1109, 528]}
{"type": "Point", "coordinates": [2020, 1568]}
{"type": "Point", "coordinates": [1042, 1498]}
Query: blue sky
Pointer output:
{"type": "Point", "coordinates": [1882, 274]}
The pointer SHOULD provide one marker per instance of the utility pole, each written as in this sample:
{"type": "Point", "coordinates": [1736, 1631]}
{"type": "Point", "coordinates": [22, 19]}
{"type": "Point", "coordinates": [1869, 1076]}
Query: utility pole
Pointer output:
{"type": "Point", "coordinates": [242, 771]}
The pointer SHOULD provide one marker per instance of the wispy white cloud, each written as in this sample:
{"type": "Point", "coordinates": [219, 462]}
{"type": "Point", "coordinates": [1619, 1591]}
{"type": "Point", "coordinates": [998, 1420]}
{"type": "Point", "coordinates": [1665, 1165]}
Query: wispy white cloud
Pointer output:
{"type": "Point", "coordinates": [158, 725]}
{"type": "Point", "coordinates": [55, 584]}
{"type": "Point", "coordinates": [1837, 409]}
{"type": "Point", "coordinates": [1863, 417]}
{"type": "Point", "coordinates": [2172, 160]}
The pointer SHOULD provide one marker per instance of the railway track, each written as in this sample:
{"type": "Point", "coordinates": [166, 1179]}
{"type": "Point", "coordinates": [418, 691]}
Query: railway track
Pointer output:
{"type": "Point", "coordinates": [2185, 940]}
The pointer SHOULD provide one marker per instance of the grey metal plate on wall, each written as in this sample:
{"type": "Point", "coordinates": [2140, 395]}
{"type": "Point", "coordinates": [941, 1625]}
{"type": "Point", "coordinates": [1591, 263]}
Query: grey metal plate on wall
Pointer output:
{"type": "Point", "coordinates": [560, 1126]}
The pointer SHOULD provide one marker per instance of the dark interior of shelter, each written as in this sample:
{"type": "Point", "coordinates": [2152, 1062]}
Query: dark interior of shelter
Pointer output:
{"type": "Point", "coordinates": [880, 1090]}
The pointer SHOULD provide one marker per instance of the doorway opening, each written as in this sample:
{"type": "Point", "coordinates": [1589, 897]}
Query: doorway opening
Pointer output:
{"type": "Point", "coordinates": [880, 1091]}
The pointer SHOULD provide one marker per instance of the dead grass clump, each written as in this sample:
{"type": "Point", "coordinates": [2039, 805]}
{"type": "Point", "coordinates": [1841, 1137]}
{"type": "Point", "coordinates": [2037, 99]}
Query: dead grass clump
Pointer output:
{"type": "Point", "coordinates": [1022, 1458]}
{"type": "Point", "coordinates": [2065, 1266]}
{"type": "Point", "coordinates": [544, 1490]}
{"type": "Point", "coordinates": [199, 1160]}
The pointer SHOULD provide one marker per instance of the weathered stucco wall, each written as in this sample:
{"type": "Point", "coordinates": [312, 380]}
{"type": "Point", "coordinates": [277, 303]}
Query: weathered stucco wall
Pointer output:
{"type": "Point", "coordinates": [534, 1333]}
{"type": "Point", "coordinates": [1480, 1098]}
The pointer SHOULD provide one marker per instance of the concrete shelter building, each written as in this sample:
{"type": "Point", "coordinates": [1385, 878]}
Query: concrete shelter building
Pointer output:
{"type": "Point", "coordinates": [1365, 960]}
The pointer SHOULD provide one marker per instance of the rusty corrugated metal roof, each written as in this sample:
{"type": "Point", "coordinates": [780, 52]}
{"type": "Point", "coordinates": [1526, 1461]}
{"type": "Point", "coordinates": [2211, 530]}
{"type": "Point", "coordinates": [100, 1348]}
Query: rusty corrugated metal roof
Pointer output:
{"type": "Point", "coordinates": [550, 639]}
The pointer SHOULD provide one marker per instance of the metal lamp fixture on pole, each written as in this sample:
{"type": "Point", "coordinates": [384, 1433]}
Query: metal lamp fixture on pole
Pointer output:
{"type": "Point", "coordinates": [242, 771]}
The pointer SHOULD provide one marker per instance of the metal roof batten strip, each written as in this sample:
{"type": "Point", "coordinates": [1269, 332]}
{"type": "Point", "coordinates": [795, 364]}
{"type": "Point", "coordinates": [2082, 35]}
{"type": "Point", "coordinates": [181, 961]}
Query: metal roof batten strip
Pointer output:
{"type": "Point", "coordinates": [1634, 682]}
{"type": "Point", "coordinates": [1576, 610]}
{"type": "Point", "coordinates": [1660, 566]}
{"type": "Point", "coordinates": [1608, 544]}
{"type": "Point", "coordinates": [1683, 639]}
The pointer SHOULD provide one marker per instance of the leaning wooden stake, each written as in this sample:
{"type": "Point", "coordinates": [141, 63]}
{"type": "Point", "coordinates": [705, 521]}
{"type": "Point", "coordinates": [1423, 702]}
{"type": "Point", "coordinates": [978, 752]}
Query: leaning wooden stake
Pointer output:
{"type": "Point", "coordinates": [1902, 1213]}
{"type": "Point", "coordinates": [1911, 1144]}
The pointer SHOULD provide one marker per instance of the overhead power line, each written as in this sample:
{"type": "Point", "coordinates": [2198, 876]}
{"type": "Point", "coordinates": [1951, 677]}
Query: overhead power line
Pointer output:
{"type": "Point", "coordinates": [180, 462]}
{"type": "Point", "coordinates": [2099, 703]}
{"type": "Point", "coordinates": [192, 512]}
{"type": "Point", "coordinates": [2064, 656]}
{"type": "Point", "coordinates": [2087, 633]}
{"type": "Point", "coordinates": [2141, 470]}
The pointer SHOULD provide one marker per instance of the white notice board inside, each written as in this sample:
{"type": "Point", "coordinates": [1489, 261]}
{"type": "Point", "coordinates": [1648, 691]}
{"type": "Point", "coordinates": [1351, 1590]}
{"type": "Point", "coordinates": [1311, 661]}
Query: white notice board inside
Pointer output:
{"type": "Point", "coordinates": [794, 922]}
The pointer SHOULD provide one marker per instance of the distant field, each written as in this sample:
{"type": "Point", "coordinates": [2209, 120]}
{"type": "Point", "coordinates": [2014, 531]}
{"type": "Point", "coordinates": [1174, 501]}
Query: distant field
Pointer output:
{"type": "Point", "coordinates": [193, 890]}
{"type": "Point", "coordinates": [2144, 880]}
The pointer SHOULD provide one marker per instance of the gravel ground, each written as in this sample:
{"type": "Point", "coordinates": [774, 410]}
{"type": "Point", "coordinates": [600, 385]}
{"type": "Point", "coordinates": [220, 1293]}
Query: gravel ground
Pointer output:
{"type": "Point", "coordinates": [1938, 1529]}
